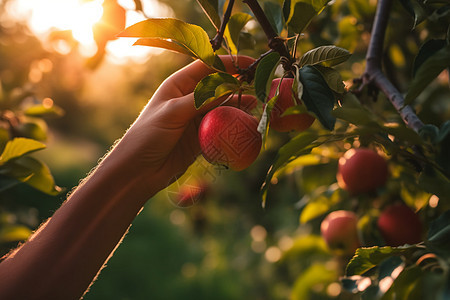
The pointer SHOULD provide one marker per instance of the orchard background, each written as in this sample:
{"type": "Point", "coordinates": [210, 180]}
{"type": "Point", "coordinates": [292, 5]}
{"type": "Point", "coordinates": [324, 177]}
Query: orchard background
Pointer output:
{"type": "Point", "coordinates": [373, 73]}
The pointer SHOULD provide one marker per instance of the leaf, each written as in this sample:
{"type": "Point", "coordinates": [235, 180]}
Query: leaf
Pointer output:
{"type": "Point", "coordinates": [434, 182]}
{"type": "Point", "coordinates": [19, 147]}
{"type": "Point", "coordinates": [265, 69]}
{"type": "Point", "coordinates": [211, 8]}
{"type": "Point", "coordinates": [313, 210]}
{"type": "Point", "coordinates": [317, 96]}
{"type": "Point", "coordinates": [427, 72]}
{"type": "Point", "coordinates": [214, 86]}
{"type": "Point", "coordinates": [234, 27]}
{"type": "Point", "coordinates": [300, 144]}
{"type": "Point", "coordinates": [7, 182]}
{"type": "Point", "coordinates": [274, 14]}
{"type": "Point", "coordinates": [165, 44]}
{"type": "Point", "coordinates": [295, 110]}
{"type": "Point", "coordinates": [13, 233]}
{"type": "Point", "coordinates": [41, 178]}
{"type": "Point", "coordinates": [439, 235]}
{"type": "Point", "coordinates": [317, 275]}
{"type": "Point", "coordinates": [188, 36]}
{"type": "Point", "coordinates": [367, 258]}
{"type": "Point", "coordinates": [333, 78]}
{"type": "Point", "coordinates": [326, 55]}
{"type": "Point", "coordinates": [44, 111]}
{"type": "Point", "coordinates": [302, 11]}
{"type": "Point", "coordinates": [427, 50]}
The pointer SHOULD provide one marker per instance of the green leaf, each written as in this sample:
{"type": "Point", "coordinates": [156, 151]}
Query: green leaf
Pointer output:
{"type": "Point", "coordinates": [333, 78]}
{"type": "Point", "coordinates": [44, 111]}
{"type": "Point", "coordinates": [274, 14]}
{"type": "Point", "coordinates": [295, 110]}
{"type": "Point", "coordinates": [429, 133]}
{"type": "Point", "coordinates": [211, 9]}
{"type": "Point", "coordinates": [36, 130]}
{"type": "Point", "coordinates": [191, 37]}
{"type": "Point", "coordinates": [434, 182]}
{"type": "Point", "coordinates": [314, 209]}
{"type": "Point", "coordinates": [264, 71]}
{"type": "Point", "coordinates": [427, 72]}
{"type": "Point", "coordinates": [317, 275]}
{"type": "Point", "coordinates": [302, 12]}
{"type": "Point", "coordinates": [300, 144]}
{"type": "Point", "coordinates": [367, 258]}
{"type": "Point", "coordinates": [438, 238]}
{"type": "Point", "coordinates": [165, 44]}
{"type": "Point", "coordinates": [14, 233]}
{"type": "Point", "coordinates": [7, 182]}
{"type": "Point", "coordinates": [19, 147]}
{"type": "Point", "coordinates": [402, 132]}
{"type": "Point", "coordinates": [41, 178]}
{"type": "Point", "coordinates": [233, 29]}
{"type": "Point", "coordinates": [426, 51]}
{"type": "Point", "coordinates": [326, 55]}
{"type": "Point", "coordinates": [214, 86]}
{"type": "Point", "coordinates": [317, 96]}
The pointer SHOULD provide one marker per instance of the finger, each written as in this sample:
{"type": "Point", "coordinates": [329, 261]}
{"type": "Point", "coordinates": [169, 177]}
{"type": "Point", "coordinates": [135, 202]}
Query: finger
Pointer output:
{"type": "Point", "coordinates": [185, 80]}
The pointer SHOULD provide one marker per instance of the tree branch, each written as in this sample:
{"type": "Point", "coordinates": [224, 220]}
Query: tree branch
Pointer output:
{"type": "Point", "coordinates": [275, 42]}
{"type": "Point", "coordinates": [216, 42]}
{"type": "Point", "coordinates": [373, 74]}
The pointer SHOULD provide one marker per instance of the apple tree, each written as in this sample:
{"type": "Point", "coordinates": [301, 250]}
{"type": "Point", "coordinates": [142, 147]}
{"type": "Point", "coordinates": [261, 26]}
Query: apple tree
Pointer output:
{"type": "Point", "coordinates": [362, 108]}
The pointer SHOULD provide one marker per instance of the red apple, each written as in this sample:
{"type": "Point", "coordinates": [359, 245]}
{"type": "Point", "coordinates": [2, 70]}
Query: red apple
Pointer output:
{"type": "Point", "coordinates": [399, 225]}
{"type": "Point", "coordinates": [361, 170]}
{"type": "Point", "coordinates": [228, 136]}
{"type": "Point", "coordinates": [286, 97]}
{"type": "Point", "coordinates": [339, 229]}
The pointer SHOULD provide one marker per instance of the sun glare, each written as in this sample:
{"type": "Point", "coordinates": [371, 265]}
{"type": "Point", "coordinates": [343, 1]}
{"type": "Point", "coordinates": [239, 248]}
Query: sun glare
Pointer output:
{"type": "Point", "coordinates": [79, 16]}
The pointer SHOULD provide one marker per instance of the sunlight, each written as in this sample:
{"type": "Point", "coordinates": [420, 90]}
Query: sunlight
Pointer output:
{"type": "Point", "coordinates": [79, 16]}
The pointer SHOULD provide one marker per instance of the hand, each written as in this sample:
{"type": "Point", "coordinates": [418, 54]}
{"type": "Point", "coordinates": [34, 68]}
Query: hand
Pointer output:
{"type": "Point", "coordinates": [164, 137]}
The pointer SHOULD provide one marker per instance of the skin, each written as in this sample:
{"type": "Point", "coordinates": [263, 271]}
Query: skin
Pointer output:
{"type": "Point", "coordinates": [65, 254]}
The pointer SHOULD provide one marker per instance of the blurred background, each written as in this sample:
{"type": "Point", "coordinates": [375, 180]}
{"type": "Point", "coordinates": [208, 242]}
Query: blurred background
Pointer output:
{"type": "Point", "coordinates": [87, 87]}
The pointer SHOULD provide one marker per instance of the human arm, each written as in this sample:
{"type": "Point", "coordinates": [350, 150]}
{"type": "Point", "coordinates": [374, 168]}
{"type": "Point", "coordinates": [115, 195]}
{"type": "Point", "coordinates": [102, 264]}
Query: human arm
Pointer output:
{"type": "Point", "coordinates": [63, 257]}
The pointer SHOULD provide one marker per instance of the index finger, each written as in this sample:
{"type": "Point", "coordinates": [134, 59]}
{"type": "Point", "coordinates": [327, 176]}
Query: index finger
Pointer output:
{"type": "Point", "coordinates": [185, 80]}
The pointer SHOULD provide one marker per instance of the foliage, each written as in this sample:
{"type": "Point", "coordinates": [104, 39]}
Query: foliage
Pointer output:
{"type": "Point", "coordinates": [322, 44]}
{"type": "Point", "coordinates": [346, 118]}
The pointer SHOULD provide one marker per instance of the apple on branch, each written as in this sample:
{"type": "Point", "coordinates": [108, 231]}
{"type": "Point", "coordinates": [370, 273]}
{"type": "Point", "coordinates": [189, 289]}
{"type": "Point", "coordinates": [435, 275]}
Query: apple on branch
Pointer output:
{"type": "Point", "coordinates": [340, 232]}
{"type": "Point", "coordinates": [228, 136]}
{"type": "Point", "coordinates": [361, 170]}
{"type": "Point", "coordinates": [286, 99]}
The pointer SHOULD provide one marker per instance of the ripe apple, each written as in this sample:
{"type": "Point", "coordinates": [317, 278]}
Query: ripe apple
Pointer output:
{"type": "Point", "coordinates": [361, 170]}
{"type": "Point", "coordinates": [297, 122]}
{"type": "Point", "coordinates": [399, 225]}
{"type": "Point", "coordinates": [228, 136]}
{"type": "Point", "coordinates": [339, 229]}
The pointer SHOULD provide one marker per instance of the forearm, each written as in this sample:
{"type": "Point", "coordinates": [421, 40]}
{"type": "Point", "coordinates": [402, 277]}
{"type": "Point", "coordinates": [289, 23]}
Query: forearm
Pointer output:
{"type": "Point", "coordinates": [64, 256]}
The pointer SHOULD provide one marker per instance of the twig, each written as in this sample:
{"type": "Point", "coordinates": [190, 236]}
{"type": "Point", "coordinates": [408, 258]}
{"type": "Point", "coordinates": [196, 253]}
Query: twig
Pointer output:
{"type": "Point", "coordinates": [248, 73]}
{"type": "Point", "coordinates": [216, 42]}
{"type": "Point", "coordinates": [275, 42]}
{"type": "Point", "coordinates": [373, 74]}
